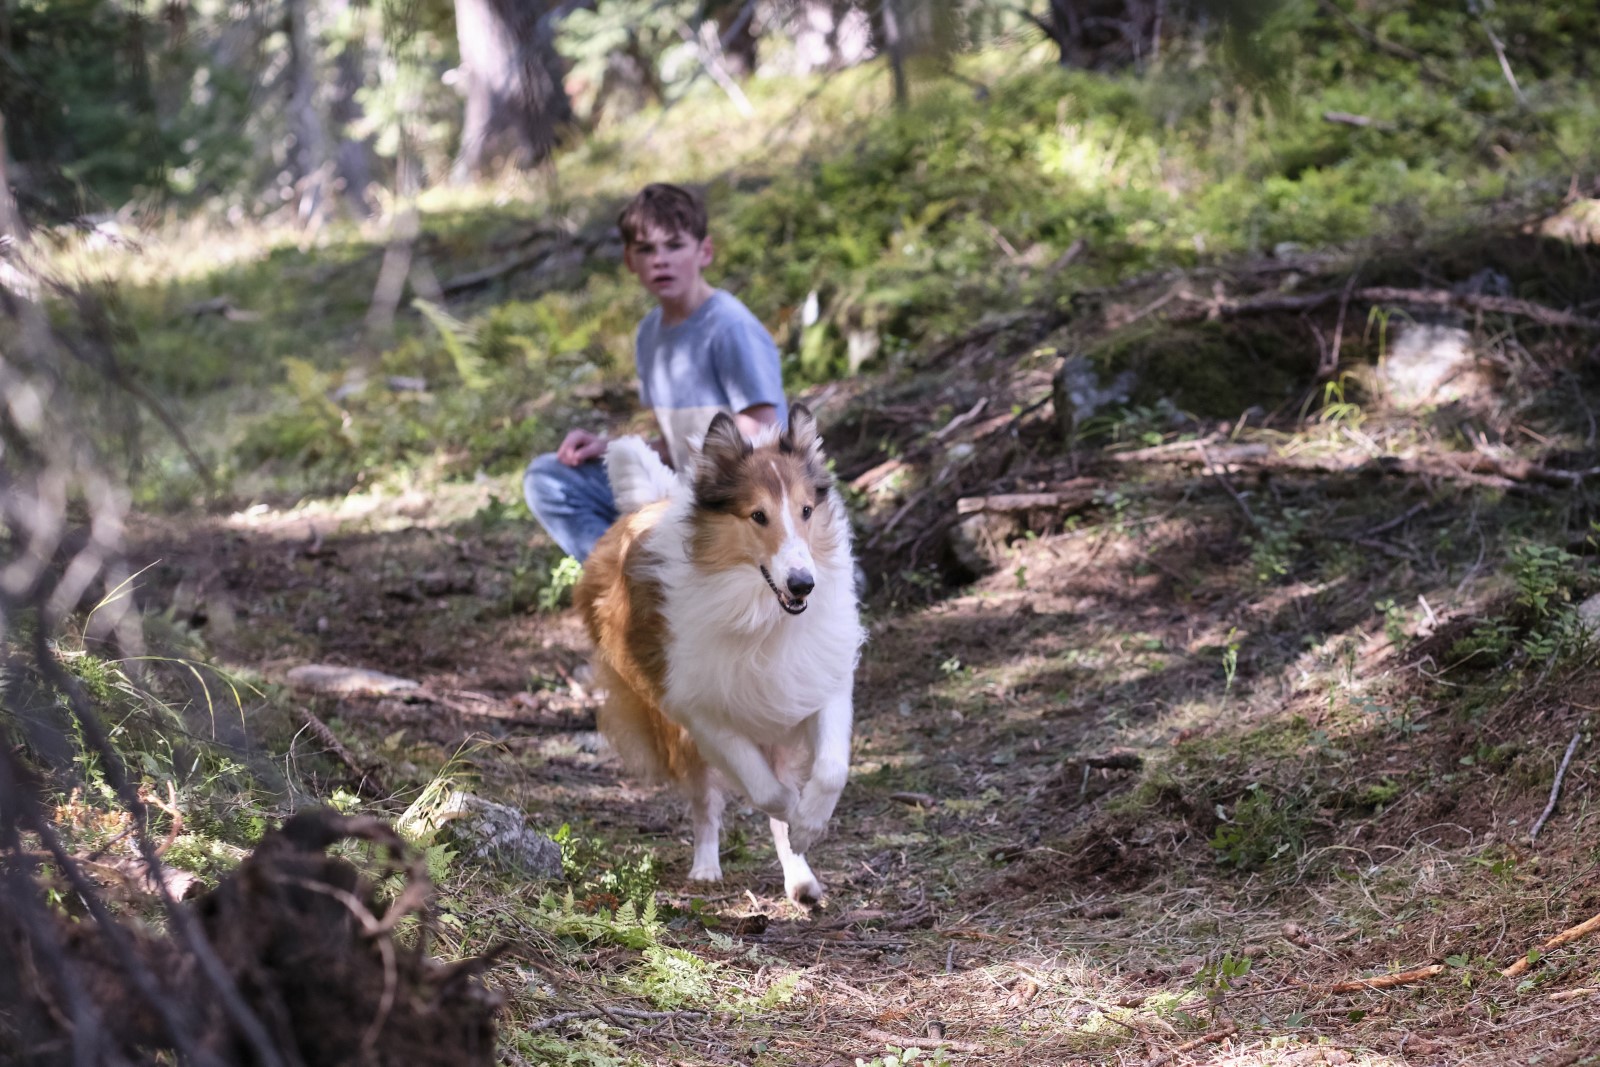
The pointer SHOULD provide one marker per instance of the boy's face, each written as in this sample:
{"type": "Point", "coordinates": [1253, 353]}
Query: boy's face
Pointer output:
{"type": "Point", "coordinates": [667, 262]}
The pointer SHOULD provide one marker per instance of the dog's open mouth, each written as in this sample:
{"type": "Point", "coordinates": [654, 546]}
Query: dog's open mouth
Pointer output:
{"type": "Point", "coordinates": [793, 605]}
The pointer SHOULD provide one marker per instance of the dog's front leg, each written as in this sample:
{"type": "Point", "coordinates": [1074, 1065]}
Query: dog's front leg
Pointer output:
{"type": "Point", "coordinates": [830, 737]}
{"type": "Point", "coordinates": [746, 767]}
{"type": "Point", "coordinates": [799, 883]}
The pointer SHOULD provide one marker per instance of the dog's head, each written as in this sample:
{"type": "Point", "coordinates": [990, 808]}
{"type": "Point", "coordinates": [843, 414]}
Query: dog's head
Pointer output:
{"type": "Point", "coordinates": [767, 508]}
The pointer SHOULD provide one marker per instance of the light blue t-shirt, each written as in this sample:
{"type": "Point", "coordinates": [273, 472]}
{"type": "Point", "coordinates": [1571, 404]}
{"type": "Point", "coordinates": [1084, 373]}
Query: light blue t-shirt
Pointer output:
{"type": "Point", "coordinates": [720, 358]}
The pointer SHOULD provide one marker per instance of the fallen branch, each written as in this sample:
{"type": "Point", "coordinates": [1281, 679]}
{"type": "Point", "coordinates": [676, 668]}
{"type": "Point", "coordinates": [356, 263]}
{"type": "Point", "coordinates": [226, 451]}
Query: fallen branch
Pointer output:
{"type": "Point", "coordinates": [1382, 981]}
{"type": "Point", "coordinates": [1116, 760]}
{"type": "Point", "coordinates": [1189, 1046]}
{"type": "Point", "coordinates": [1394, 48]}
{"type": "Point", "coordinates": [613, 1014]}
{"type": "Point", "coordinates": [869, 479]}
{"type": "Point", "coordinates": [1070, 495]}
{"type": "Point", "coordinates": [1574, 994]}
{"type": "Point", "coordinates": [901, 1041]}
{"type": "Point", "coordinates": [916, 800]}
{"type": "Point", "coordinates": [1555, 788]}
{"type": "Point", "coordinates": [1474, 467]}
{"type": "Point", "coordinates": [321, 732]}
{"type": "Point", "coordinates": [961, 420]}
{"type": "Point", "coordinates": [1365, 122]}
{"type": "Point", "coordinates": [484, 275]}
{"type": "Point", "coordinates": [1216, 472]}
{"type": "Point", "coordinates": [1570, 934]}
{"type": "Point", "coordinates": [1385, 294]}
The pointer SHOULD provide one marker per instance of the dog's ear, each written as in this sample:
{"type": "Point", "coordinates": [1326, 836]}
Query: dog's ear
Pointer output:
{"type": "Point", "coordinates": [717, 467]}
{"type": "Point", "coordinates": [800, 438]}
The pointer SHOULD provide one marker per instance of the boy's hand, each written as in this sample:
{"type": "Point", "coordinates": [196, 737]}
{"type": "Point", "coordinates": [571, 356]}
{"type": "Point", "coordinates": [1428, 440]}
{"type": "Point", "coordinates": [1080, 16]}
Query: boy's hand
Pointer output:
{"type": "Point", "coordinates": [580, 447]}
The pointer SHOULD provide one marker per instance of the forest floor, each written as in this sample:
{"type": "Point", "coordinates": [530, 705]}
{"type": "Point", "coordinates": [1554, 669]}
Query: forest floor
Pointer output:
{"type": "Point", "coordinates": [1232, 756]}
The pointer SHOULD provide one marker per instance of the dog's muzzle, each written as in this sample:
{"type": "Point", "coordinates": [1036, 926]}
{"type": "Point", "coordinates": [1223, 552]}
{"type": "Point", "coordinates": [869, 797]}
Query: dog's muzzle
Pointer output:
{"type": "Point", "coordinates": [793, 603]}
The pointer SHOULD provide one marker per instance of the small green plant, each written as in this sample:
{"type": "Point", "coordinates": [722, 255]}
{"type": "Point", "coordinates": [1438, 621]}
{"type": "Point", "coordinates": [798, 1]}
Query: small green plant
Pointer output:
{"type": "Point", "coordinates": [1218, 976]}
{"type": "Point", "coordinates": [1336, 409]}
{"type": "Point", "coordinates": [1394, 621]}
{"type": "Point", "coordinates": [1230, 659]}
{"type": "Point", "coordinates": [1544, 626]}
{"type": "Point", "coordinates": [557, 591]}
{"type": "Point", "coordinates": [1262, 829]}
{"type": "Point", "coordinates": [1275, 542]}
{"type": "Point", "coordinates": [895, 1056]}
{"type": "Point", "coordinates": [607, 875]}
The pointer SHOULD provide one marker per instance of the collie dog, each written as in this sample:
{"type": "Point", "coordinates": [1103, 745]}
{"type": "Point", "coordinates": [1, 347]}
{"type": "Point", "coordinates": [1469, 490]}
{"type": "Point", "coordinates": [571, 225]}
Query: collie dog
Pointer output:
{"type": "Point", "coordinates": [722, 608]}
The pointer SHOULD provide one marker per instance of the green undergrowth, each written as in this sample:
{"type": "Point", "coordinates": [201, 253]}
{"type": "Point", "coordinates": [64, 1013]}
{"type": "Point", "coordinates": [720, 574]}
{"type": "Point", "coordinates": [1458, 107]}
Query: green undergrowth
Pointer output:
{"type": "Point", "coordinates": [1265, 793]}
{"type": "Point", "coordinates": [858, 236]}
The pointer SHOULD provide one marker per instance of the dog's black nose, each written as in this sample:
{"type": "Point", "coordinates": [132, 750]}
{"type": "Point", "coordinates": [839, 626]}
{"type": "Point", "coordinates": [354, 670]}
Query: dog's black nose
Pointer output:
{"type": "Point", "coordinates": [800, 583]}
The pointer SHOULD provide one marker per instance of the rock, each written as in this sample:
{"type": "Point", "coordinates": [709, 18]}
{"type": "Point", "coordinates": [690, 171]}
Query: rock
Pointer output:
{"type": "Point", "coordinates": [1429, 364]}
{"type": "Point", "coordinates": [1077, 394]}
{"type": "Point", "coordinates": [326, 678]}
{"type": "Point", "coordinates": [977, 545]}
{"type": "Point", "coordinates": [1589, 616]}
{"type": "Point", "coordinates": [488, 831]}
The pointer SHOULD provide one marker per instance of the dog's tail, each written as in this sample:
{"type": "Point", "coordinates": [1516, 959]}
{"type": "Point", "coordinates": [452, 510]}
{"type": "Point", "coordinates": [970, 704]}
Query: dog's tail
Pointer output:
{"type": "Point", "coordinates": [638, 477]}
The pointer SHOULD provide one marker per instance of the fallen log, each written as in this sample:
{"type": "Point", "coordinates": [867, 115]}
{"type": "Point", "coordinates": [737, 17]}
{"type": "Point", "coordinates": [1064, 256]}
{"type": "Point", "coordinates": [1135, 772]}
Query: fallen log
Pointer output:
{"type": "Point", "coordinates": [1068, 495]}
{"type": "Point", "coordinates": [1224, 307]}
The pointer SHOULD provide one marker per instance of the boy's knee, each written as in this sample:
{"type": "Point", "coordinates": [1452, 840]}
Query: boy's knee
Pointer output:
{"type": "Point", "coordinates": [543, 480]}
{"type": "Point", "coordinates": [546, 465]}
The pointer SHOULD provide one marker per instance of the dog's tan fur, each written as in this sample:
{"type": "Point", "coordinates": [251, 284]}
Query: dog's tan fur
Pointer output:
{"type": "Point", "coordinates": [621, 605]}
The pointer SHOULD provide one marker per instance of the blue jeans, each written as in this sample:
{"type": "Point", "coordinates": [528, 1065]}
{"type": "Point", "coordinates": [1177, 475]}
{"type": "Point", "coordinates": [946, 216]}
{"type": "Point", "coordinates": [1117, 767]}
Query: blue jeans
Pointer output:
{"type": "Point", "coordinates": [573, 504]}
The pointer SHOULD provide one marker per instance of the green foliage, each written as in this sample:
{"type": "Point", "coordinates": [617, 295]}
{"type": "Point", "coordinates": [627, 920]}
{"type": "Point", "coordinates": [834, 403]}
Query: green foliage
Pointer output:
{"type": "Point", "coordinates": [1275, 543]}
{"type": "Point", "coordinates": [563, 577]}
{"type": "Point", "coordinates": [1263, 828]}
{"type": "Point", "coordinates": [606, 873]}
{"type": "Point", "coordinates": [1542, 625]}
{"type": "Point", "coordinates": [895, 1056]}
{"type": "Point", "coordinates": [116, 105]}
{"type": "Point", "coordinates": [629, 926]}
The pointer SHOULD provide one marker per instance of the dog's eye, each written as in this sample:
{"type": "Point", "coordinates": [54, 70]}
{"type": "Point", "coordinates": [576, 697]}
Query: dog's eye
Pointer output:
{"type": "Point", "coordinates": [758, 517]}
{"type": "Point", "coordinates": [805, 512]}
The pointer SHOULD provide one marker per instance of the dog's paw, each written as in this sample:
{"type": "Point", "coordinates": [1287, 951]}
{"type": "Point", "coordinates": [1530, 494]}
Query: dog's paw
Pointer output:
{"type": "Point", "coordinates": [805, 890]}
{"type": "Point", "coordinates": [705, 872]}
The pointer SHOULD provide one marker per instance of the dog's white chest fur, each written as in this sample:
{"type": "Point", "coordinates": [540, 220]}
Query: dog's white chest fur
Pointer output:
{"type": "Point", "coordinates": [735, 657]}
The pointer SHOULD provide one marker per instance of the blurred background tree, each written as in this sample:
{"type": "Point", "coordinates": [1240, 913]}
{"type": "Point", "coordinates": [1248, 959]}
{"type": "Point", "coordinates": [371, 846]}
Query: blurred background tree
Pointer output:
{"type": "Point", "coordinates": [297, 105]}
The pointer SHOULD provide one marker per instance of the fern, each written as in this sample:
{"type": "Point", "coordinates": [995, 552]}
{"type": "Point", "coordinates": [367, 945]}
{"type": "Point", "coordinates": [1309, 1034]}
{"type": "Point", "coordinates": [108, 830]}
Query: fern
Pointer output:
{"type": "Point", "coordinates": [460, 341]}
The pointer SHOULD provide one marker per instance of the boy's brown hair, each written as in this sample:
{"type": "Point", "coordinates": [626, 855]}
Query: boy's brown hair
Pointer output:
{"type": "Point", "coordinates": [670, 207]}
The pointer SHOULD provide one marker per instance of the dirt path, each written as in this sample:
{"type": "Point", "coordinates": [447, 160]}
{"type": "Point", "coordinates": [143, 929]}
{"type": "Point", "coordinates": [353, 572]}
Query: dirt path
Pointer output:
{"type": "Point", "coordinates": [1113, 804]}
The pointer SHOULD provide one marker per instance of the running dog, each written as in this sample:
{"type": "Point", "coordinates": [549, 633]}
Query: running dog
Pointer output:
{"type": "Point", "coordinates": [722, 607]}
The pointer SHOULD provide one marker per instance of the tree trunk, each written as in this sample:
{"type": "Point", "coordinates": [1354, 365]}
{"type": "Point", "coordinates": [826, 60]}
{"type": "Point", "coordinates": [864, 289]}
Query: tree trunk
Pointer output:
{"type": "Point", "coordinates": [516, 104]}
{"type": "Point", "coordinates": [1065, 28]}
{"type": "Point", "coordinates": [890, 41]}
{"type": "Point", "coordinates": [308, 159]}
{"type": "Point", "coordinates": [736, 28]}
{"type": "Point", "coordinates": [352, 159]}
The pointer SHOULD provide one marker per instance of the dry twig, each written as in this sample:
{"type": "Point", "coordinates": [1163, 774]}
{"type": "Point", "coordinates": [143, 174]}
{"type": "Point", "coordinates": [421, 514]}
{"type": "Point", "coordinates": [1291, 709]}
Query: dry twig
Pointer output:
{"type": "Point", "coordinates": [1382, 981]}
{"type": "Point", "coordinates": [1570, 934]}
{"type": "Point", "coordinates": [614, 1014]}
{"type": "Point", "coordinates": [1189, 1046]}
{"type": "Point", "coordinates": [1555, 788]}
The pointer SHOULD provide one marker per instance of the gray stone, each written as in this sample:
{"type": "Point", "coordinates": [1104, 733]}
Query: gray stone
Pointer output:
{"type": "Point", "coordinates": [1077, 393]}
{"type": "Point", "coordinates": [1429, 364]}
{"type": "Point", "coordinates": [496, 833]}
{"type": "Point", "coordinates": [1589, 615]}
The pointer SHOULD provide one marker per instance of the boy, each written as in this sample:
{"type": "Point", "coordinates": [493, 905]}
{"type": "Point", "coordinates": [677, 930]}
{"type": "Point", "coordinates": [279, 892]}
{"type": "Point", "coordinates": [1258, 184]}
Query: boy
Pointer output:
{"type": "Point", "coordinates": [698, 352]}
